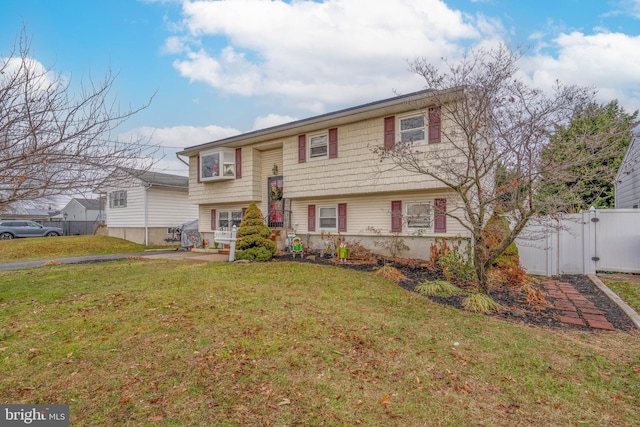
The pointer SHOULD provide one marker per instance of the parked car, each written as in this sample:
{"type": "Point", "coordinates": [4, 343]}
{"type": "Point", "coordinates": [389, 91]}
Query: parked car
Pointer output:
{"type": "Point", "coordinates": [10, 229]}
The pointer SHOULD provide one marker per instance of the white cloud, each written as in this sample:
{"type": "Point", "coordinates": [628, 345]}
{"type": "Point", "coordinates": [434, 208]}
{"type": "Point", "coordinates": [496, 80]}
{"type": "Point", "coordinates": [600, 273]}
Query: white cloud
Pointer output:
{"type": "Point", "coordinates": [317, 53]}
{"type": "Point", "coordinates": [603, 60]}
{"type": "Point", "coordinates": [271, 120]}
{"type": "Point", "coordinates": [179, 137]}
{"type": "Point", "coordinates": [40, 78]}
{"type": "Point", "coordinates": [173, 139]}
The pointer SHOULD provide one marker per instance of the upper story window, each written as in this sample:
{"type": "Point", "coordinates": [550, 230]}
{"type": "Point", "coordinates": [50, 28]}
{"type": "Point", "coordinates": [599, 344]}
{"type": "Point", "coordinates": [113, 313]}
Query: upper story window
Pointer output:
{"type": "Point", "coordinates": [413, 129]}
{"type": "Point", "coordinates": [118, 199]}
{"type": "Point", "coordinates": [419, 215]}
{"type": "Point", "coordinates": [217, 164]}
{"type": "Point", "coordinates": [318, 146]}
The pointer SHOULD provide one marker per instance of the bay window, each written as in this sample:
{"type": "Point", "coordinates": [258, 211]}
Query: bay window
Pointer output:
{"type": "Point", "coordinates": [217, 164]}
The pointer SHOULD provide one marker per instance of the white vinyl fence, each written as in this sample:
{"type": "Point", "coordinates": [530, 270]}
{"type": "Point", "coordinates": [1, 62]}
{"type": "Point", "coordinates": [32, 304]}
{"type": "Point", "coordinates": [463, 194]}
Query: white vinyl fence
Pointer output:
{"type": "Point", "coordinates": [594, 240]}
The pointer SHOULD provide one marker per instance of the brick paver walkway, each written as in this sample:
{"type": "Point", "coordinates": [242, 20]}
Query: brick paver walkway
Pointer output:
{"type": "Point", "coordinates": [575, 308]}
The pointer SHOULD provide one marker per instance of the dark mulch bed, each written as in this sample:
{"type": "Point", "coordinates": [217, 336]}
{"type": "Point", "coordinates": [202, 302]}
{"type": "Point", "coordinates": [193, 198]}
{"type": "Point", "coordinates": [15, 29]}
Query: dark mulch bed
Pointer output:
{"type": "Point", "coordinates": [512, 298]}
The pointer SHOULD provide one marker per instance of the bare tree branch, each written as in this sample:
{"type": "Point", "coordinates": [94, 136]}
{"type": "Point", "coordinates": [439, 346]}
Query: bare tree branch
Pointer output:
{"type": "Point", "coordinates": [53, 142]}
{"type": "Point", "coordinates": [490, 119]}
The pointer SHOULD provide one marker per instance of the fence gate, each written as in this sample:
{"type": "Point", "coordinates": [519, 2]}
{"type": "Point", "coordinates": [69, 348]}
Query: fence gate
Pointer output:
{"type": "Point", "coordinates": [594, 240]}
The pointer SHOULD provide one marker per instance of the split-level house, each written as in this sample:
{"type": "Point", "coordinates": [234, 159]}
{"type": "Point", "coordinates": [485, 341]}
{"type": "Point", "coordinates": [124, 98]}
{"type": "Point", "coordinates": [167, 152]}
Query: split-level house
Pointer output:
{"type": "Point", "coordinates": [320, 176]}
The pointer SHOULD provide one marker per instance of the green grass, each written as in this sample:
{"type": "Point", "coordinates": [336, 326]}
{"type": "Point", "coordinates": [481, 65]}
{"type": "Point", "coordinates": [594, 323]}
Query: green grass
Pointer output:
{"type": "Point", "coordinates": [163, 342]}
{"type": "Point", "coordinates": [628, 291]}
{"type": "Point", "coordinates": [38, 248]}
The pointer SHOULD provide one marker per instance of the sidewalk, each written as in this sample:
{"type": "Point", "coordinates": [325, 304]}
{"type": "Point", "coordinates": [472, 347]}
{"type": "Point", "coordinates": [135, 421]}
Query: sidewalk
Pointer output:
{"type": "Point", "coordinates": [163, 254]}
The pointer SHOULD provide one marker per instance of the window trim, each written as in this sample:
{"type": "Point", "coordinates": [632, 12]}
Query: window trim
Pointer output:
{"type": "Point", "coordinates": [424, 128]}
{"type": "Point", "coordinates": [407, 205]}
{"type": "Point", "coordinates": [319, 217]}
{"type": "Point", "coordinates": [118, 199]}
{"type": "Point", "coordinates": [310, 138]}
{"type": "Point", "coordinates": [226, 164]}
{"type": "Point", "coordinates": [230, 212]}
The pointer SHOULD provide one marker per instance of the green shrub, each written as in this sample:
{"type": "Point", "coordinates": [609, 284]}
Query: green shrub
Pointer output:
{"type": "Point", "coordinates": [253, 237]}
{"type": "Point", "coordinates": [456, 263]}
{"type": "Point", "coordinates": [506, 268]}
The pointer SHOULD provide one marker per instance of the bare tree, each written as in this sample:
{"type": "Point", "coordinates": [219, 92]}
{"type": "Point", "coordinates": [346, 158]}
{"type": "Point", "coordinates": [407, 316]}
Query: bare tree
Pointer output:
{"type": "Point", "coordinates": [491, 121]}
{"type": "Point", "coordinates": [53, 142]}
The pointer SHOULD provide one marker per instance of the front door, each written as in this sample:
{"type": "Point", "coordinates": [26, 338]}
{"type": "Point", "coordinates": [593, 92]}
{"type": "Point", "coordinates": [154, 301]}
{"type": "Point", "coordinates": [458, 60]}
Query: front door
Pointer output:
{"type": "Point", "coordinates": [276, 201]}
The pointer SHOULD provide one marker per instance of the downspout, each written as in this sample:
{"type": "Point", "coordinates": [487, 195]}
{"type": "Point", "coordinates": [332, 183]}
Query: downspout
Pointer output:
{"type": "Point", "coordinates": [146, 214]}
{"type": "Point", "coordinates": [180, 158]}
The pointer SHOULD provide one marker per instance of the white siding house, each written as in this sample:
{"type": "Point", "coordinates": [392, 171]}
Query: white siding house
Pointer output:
{"type": "Point", "coordinates": [143, 210]}
{"type": "Point", "coordinates": [627, 184]}
{"type": "Point", "coordinates": [319, 175]}
{"type": "Point", "coordinates": [92, 210]}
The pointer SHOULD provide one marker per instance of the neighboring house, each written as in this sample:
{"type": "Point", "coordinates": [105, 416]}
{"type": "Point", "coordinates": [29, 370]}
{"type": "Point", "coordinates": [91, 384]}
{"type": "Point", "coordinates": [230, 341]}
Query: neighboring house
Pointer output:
{"type": "Point", "coordinates": [38, 215]}
{"type": "Point", "coordinates": [319, 176]}
{"type": "Point", "coordinates": [88, 210]}
{"type": "Point", "coordinates": [627, 183]}
{"type": "Point", "coordinates": [146, 208]}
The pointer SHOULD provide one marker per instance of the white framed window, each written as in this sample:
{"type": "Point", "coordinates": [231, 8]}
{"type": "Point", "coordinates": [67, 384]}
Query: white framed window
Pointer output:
{"type": "Point", "coordinates": [118, 199]}
{"type": "Point", "coordinates": [419, 215]}
{"type": "Point", "coordinates": [413, 129]}
{"type": "Point", "coordinates": [328, 217]}
{"type": "Point", "coordinates": [227, 219]}
{"type": "Point", "coordinates": [217, 164]}
{"type": "Point", "coordinates": [319, 146]}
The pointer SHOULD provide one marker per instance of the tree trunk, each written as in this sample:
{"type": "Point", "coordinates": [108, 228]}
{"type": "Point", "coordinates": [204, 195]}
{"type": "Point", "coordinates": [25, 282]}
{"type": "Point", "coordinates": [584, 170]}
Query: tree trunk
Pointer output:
{"type": "Point", "coordinates": [481, 266]}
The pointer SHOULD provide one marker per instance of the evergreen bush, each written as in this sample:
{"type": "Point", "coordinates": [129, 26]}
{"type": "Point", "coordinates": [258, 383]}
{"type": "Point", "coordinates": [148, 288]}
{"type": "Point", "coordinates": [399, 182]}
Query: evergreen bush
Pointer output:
{"type": "Point", "coordinates": [253, 235]}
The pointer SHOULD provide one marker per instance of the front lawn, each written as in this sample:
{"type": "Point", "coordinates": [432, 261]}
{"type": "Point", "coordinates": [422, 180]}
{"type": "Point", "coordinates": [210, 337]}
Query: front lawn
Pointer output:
{"type": "Point", "coordinates": [628, 291]}
{"type": "Point", "coordinates": [138, 342]}
{"type": "Point", "coordinates": [37, 248]}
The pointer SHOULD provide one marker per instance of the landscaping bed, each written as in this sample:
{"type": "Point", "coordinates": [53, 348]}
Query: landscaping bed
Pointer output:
{"type": "Point", "coordinates": [512, 298]}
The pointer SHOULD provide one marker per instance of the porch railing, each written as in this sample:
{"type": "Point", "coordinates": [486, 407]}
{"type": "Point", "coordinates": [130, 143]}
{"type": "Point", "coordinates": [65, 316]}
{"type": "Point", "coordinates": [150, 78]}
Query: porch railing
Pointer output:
{"type": "Point", "coordinates": [278, 219]}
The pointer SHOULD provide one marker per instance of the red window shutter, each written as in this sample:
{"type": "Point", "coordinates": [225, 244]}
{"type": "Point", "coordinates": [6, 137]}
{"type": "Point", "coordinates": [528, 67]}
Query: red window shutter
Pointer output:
{"type": "Point", "coordinates": [244, 212]}
{"type": "Point", "coordinates": [311, 218]}
{"type": "Point", "coordinates": [333, 143]}
{"type": "Point", "coordinates": [396, 216]}
{"type": "Point", "coordinates": [440, 216]}
{"type": "Point", "coordinates": [198, 171]}
{"type": "Point", "coordinates": [435, 125]}
{"type": "Point", "coordinates": [342, 217]}
{"type": "Point", "coordinates": [213, 219]}
{"type": "Point", "coordinates": [302, 148]}
{"type": "Point", "coordinates": [389, 132]}
{"type": "Point", "coordinates": [238, 163]}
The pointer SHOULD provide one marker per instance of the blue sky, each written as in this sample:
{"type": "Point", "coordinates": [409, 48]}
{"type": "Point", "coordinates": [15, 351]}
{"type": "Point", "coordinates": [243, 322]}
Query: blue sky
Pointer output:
{"type": "Point", "coordinates": [219, 68]}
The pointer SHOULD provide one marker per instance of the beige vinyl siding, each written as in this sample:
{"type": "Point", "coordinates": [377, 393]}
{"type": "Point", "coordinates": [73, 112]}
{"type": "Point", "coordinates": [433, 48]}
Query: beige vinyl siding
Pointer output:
{"type": "Point", "coordinates": [169, 208]}
{"type": "Point", "coordinates": [246, 189]}
{"type": "Point", "coordinates": [356, 170]}
{"type": "Point", "coordinates": [365, 213]}
{"type": "Point", "coordinates": [204, 214]}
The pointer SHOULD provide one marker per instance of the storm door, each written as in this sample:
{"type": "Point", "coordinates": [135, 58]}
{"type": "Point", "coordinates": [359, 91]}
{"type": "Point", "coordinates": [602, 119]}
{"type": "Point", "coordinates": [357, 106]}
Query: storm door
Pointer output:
{"type": "Point", "coordinates": [276, 202]}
